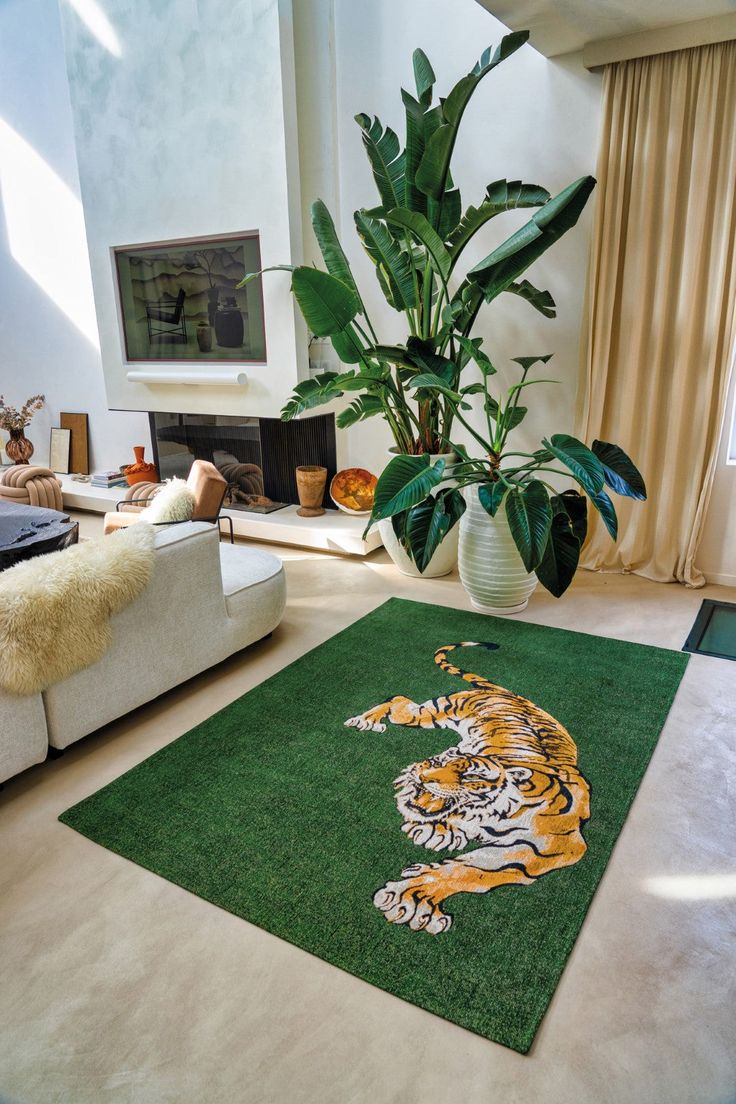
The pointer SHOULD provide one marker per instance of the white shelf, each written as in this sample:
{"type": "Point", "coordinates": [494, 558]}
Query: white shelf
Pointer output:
{"type": "Point", "coordinates": [335, 531]}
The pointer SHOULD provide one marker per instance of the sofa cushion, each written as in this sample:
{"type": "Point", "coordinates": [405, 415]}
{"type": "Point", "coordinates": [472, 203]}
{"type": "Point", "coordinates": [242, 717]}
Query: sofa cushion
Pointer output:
{"type": "Point", "coordinates": [245, 567]}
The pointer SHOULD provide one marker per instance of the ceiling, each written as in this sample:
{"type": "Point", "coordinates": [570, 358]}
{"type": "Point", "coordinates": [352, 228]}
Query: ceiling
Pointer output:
{"type": "Point", "coordinates": [560, 26]}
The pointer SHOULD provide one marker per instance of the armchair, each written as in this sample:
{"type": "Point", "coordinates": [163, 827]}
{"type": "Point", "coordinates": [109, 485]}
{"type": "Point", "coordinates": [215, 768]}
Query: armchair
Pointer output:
{"type": "Point", "coordinates": [204, 481]}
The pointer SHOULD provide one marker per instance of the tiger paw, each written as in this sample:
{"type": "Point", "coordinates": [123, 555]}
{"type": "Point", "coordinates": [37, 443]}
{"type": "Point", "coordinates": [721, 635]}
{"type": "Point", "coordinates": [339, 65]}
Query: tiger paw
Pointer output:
{"type": "Point", "coordinates": [366, 722]}
{"type": "Point", "coordinates": [411, 902]}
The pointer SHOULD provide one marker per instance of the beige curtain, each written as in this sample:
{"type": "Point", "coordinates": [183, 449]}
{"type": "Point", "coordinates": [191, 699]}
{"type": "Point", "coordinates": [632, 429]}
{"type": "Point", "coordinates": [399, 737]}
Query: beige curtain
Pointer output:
{"type": "Point", "coordinates": [661, 299]}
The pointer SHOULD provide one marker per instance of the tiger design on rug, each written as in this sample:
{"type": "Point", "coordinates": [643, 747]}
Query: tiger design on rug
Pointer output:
{"type": "Point", "coordinates": [510, 783]}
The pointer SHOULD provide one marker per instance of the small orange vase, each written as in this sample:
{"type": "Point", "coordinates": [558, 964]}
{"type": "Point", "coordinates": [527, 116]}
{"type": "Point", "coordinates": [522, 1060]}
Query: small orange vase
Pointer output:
{"type": "Point", "coordinates": [140, 472]}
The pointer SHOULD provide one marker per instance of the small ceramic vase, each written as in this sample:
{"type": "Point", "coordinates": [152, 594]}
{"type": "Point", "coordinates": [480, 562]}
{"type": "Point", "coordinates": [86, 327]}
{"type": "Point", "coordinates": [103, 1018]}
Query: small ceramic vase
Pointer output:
{"type": "Point", "coordinates": [310, 484]}
{"type": "Point", "coordinates": [140, 471]}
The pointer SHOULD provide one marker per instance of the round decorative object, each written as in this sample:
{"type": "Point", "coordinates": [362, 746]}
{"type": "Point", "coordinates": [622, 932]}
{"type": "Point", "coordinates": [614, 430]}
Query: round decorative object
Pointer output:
{"type": "Point", "coordinates": [491, 569]}
{"type": "Point", "coordinates": [19, 448]}
{"type": "Point", "coordinates": [140, 471]}
{"type": "Point", "coordinates": [353, 490]}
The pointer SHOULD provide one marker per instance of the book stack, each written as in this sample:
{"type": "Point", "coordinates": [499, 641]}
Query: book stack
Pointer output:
{"type": "Point", "coordinates": [108, 479]}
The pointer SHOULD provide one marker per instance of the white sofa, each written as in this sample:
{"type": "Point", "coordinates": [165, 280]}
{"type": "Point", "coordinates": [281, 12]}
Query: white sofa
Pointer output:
{"type": "Point", "coordinates": [205, 601]}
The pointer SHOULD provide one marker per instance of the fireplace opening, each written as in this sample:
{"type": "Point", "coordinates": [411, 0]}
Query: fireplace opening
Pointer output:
{"type": "Point", "coordinates": [257, 456]}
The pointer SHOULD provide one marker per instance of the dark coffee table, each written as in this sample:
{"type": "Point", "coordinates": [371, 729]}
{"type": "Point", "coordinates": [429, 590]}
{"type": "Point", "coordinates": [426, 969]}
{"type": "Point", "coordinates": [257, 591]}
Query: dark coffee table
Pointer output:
{"type": "Point", "coordinates": [27, 531]}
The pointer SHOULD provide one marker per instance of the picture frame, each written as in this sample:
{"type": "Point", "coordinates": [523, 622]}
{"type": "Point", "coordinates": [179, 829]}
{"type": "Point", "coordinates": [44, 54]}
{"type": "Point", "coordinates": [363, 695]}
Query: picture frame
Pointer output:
{"type": "Point", "coordinates": [179, 300]}
{"type": "Point", "coordinates": [78, 425]}
{"type": "Point", "coordinates": [59, 448]}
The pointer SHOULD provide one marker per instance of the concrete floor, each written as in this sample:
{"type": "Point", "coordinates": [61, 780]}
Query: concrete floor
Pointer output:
{"type": "Point", "coordinates": [117, 986]}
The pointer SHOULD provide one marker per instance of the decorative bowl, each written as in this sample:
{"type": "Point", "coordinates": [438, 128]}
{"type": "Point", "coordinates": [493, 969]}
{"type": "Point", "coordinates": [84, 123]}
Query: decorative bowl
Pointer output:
{"type": "Point", "coordinates": [353, 490]}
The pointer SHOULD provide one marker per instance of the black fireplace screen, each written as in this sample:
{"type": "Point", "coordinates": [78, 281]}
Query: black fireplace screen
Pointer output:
{"type": "Point", "coordinates": [257, 456]}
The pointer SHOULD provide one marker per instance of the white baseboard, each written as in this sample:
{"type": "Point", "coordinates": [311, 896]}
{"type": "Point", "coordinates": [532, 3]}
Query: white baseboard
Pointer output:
{"type": "Point", "coordinates": [720, 580]}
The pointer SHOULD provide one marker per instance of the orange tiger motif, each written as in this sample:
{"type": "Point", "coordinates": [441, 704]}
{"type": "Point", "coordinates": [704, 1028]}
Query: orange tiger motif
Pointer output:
{"type": "Point", "coordinates": [511, 784]}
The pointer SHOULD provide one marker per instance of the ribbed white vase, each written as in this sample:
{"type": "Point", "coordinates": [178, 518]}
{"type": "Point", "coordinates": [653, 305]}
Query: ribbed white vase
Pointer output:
{"type": "Point", "coordinates": [491, 569]}
{"type": "Point", "coordinates": [445, 557]}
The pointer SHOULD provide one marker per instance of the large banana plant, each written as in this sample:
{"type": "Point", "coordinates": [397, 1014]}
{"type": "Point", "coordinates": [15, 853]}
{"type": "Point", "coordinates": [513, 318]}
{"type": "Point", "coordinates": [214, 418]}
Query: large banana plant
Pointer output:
{"type": "Point", "coordinates": [416, 237]}
{"type": "Point", "coordinates": [548, 525]}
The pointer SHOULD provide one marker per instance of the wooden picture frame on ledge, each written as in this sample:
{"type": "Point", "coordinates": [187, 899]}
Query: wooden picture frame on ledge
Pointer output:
{"type": "Point", "coordinates": [78, 425]}
{"type": "Point", "coordinates": [59, 448]}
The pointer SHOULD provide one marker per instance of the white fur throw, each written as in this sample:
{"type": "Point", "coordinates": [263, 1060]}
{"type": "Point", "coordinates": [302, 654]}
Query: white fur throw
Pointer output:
{"type": "Point", "coordinates": [174, 502]}
{"type": "Point", "coordinates": [55, 609]}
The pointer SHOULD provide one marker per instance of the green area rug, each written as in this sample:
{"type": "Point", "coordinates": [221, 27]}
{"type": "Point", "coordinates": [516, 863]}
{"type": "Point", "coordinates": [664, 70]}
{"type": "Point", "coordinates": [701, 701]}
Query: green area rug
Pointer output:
{"type": "Point", "coordinates": [274, 810]}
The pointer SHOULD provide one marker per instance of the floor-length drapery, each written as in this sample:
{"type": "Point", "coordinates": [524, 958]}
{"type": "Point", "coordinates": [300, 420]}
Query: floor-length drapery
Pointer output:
{"type": "Point", "coordinates": [662, 298]}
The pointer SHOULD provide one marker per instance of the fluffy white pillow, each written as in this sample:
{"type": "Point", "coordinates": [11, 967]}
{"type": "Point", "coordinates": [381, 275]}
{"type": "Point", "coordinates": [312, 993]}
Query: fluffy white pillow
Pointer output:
{"type": "Point", "coordinates": [174, 502]}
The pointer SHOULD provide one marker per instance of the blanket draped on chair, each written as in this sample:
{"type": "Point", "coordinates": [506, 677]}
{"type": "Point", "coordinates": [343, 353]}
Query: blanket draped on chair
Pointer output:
{"type": "Point", "coordinates": [55, 610]}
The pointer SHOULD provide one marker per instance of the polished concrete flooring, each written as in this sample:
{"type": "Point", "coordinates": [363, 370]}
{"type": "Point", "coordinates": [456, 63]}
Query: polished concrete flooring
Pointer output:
{"type": "Point", "coordinates": [116, 986]}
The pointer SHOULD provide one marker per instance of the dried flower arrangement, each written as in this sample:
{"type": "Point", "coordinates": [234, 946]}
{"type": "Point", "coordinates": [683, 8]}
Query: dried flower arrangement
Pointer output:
{"type": "Point", "coordinates": [13, 419]}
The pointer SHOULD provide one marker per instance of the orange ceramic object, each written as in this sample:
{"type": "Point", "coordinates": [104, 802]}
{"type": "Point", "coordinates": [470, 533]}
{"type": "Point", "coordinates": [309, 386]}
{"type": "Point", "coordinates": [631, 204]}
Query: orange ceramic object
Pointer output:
{"type": "Point", "coordinates": [353, 490]}
{"type": "Point", "coordinates": [140, 471]}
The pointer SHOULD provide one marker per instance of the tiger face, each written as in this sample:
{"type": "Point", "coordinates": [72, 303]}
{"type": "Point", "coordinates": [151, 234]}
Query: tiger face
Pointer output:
{"type": "Point", "coordinates": [455, 797]}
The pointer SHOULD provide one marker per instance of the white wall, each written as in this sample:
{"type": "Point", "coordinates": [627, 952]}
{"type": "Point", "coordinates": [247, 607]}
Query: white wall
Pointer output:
{"type": "Point", "coordinates": [533, 119]}
{"type": "Point", "coordinates": [185, 124]}
{"type": "Point", "coordinates": [48, 334]}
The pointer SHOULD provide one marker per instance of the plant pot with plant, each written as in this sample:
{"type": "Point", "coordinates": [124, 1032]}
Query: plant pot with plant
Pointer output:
{"type": "Point", "coordinates": [416, 238]}
{"type": "Point", "coordinates": [518, 527]}
{"type": "Point", "coordinates": [14, 422]}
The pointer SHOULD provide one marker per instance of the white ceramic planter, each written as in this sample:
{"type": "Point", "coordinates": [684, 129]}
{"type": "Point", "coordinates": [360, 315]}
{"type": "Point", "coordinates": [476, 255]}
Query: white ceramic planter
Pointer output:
{"type": "Point", "coordinates": [442, 563]}
{"type": "Point", "coordinates": [491, 569]}
{"type": "Point", "coordinates": [444, 559]}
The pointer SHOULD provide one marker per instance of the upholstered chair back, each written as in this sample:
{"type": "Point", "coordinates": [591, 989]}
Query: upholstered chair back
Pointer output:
{"type": "Point", "coordinates": [208, 488]}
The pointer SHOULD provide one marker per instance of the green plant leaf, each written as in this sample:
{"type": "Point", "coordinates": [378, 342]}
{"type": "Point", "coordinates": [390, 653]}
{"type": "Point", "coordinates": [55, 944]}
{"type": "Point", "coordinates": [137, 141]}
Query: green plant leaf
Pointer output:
{"type": "Point", "coordinates": [327, 304]}
{"type": "Point", "coordinates": [528, 362]}
{"type": "Point", "coordinates": [558, 564]}
{"type": "Point", "coordinates": [347, 345]}
{"type": "Point", "coordinates": [621, 474]}
{"type": "Point", "coordinates": [424, 77]}
{"type": "Point", "coordinates": [428, 523]}
{"type": "Point", "coordinates": [332, 252]}
{"type": "Point", "coordinates": [365, 406]}
{"type": "Point", "coordinates": [607, 510]}
{"type": "Point", "coordinates": [387, 160]}
{"type": "Point", "coordinates": [415, 113]}
{"type": "Point", "coordinates": [501, 195]}
{"type": "Point", "coordinates": [433, 172]}
{"type": "Point", "coordinates": [577, 457]}
{"type": "Point", "coordinates": [449, 213]}
{"type": "Point", "coordinates": [540, 300]}
{"type": "Point", "coordinates": [405, 481]}
{"type": "Point", "coordinates": [575, 506]}
{"type": "Point", "coordinates": [429, 381]}
{"type": "Point", "coordinates": [501, 267]}
{"type": "Point", "coordinates": [490, 496]}
{"type": "Point", "coordinates": [250, 276]}
{"type": "Point", "coordinates": [311, 392]}
{"type": "Point", "coordinates": [389, 259]}
{"type": "Point", "coordinates": [471, 347]}
{"type": "Point", "coordinates": [530, 517]}
{"type": "Point", "coordinates": [417, 224]}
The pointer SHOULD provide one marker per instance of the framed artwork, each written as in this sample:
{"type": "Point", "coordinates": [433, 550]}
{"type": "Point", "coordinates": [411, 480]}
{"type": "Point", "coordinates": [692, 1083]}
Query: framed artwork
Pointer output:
{"type": "Point", "coordinates": [78, 427]}
{"type": "Point", "coordinates": [59, 450]}
{"type": "Point", "coordinates": [180, 300]}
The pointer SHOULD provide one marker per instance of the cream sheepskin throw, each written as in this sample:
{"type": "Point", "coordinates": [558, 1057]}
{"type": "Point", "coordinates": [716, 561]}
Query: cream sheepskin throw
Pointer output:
{"type": "Point", "coordinates": [55, 609]}
{"type": "Point", "coordinates": [174, 502]}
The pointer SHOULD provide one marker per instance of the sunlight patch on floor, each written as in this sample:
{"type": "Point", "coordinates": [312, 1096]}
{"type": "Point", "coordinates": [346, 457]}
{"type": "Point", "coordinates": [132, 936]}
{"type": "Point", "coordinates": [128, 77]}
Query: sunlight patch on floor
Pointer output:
{"type": "Point", "coordinates": [692, 887]}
